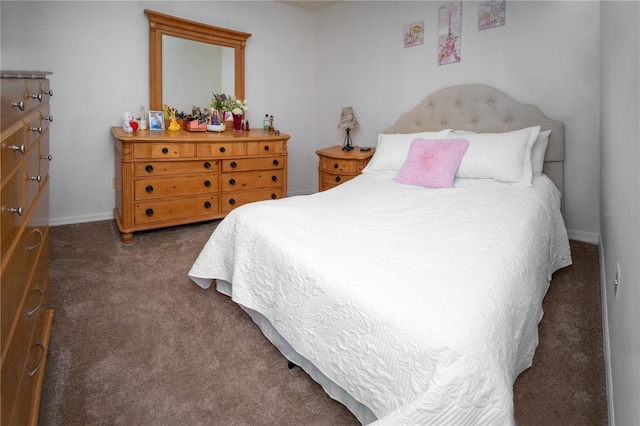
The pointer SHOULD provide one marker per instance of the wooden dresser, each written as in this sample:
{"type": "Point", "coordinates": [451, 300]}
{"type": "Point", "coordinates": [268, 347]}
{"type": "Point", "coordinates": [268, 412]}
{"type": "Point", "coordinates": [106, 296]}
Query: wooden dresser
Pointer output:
{"type": "Point", "coordinates": [337, 166]}
{"type": "Point", "coordinates": [26, 315]}
{"type": "Point", "coordinates": [166, 178]}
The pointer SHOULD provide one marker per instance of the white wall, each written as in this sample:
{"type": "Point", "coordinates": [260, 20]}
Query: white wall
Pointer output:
{"type": "Point", "coordinates": [546, 54]}
{"type": "Point", "coordinates": [98, 52]}
{"type": "Point", "coordinates": [620, 204]}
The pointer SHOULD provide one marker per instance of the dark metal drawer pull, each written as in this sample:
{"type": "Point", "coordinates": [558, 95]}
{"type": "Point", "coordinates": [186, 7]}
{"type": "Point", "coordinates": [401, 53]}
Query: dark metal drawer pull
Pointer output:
{"type": "Point", "coordinates": [207, 183]}
{"type": "Point", "coordinates": [274, 196]}
{"type": "Point", "coordinates": [233, 164]}
{"type": "Point", "coordinates": [207, 165]}
{"type": "Point", "coordinates": [338, 179]}
{"type": "Point", "coordinates": [148, 168]}
{"type": "Point", "coordinates": [274, 178]}
{"type": "Point", "coordinates": [266, 147]}
{"type": "Point", "coordinates": [276, 162]}
{"type": "Point", "coordinates": [232, 181]}
{"type": "Point", "coordinates": [165, 150]}
{"type": "Point", "coordinates": [232, 201]}
{"type": "Point", "coordinates": [149, 189]}
{"type": "Point", "coordinates": [335, 166]}
{"type": "Point", "coordinates": [207, 205]}
{"type": "Point", "coordinates": [222, 149]}
{"type": "Point", "coordinates": [149, 212]}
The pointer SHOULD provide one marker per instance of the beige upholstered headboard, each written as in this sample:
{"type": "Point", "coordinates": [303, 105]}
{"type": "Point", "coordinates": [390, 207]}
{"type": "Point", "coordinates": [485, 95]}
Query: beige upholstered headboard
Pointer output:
{"type": "Point", "coordinates": [484, 109]}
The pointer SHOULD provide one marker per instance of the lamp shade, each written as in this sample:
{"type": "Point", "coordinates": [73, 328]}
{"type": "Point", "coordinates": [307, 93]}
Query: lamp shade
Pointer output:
{"type": "Point", "coordinates": [347, 119]}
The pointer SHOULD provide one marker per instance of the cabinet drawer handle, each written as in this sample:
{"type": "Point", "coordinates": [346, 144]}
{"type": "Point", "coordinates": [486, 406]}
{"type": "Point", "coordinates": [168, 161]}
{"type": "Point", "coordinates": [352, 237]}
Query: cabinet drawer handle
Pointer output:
{"type": "Point", "coordinates": [207, 205]}
{"type": "Point", "coordinates": [274, 196]}
{"type": "Point", "coordinates": [232, 201]}
{"type": "Point", "coordinates": [222, 149]}
{"type": "Point", "coordinates": [38, 97]}
{"type": "Point", "coordinates": [148, 168]}
{"type": "Point", "coordinates": [37, 367]}
{"type": "Point", "coordinates": [46, 157]}
{"type": "Point", "coordinates": [36, 178]}
{"type": "Point", "coordinates": [207, 183]}
{"type": "Point", "coordinates": [149, 212]}
{"type": "Point", "coordinates": [49, 118]}
{"type": "Point", "coordinates": [335, 166]}
{"type": "Point", "coordinates": [274, 178]}
{"type": "Point", "coordinates": [266, 147]}
{"type": "Point", "coordinates": [36, 129]}
{"type": "Point", "coordinates": [47, 92]}
{"type": "Point", "coordinates": [34, 310]}
{"type": "Point", "coordinates": [276, 162]}
{"type": "Point", "coordinates": [20, 148]}
{"type": "Point", "coordinates": [207, 165]}
{"type": "Point", "coordinates": [149, 189]}
{"type": "Point", "coordinates": [14, 210]}
{"type": "Point", "coordinates": [19, 104]}
{"type": "Point", "coordinates": [232, 181]}
{"type": "Point", "coordinates": [36, 245]}
{"type": "Point", "coordinates": [338, 179]}
{"type": "Point", "coordinates": [165, 150]}
{"type": "Point", "coordinates": [233, 164]}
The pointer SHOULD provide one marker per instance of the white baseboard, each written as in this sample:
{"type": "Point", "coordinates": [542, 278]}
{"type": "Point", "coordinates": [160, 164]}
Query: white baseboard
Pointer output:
{"type": "Point", "coordinates": [584, 236]}
{"type": "Point", "coordinates": [605, 336]}
{"type": "Point", "coordinates": [69, 220]}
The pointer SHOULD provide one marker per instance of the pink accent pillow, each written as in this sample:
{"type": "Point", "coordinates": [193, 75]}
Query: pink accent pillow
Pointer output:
{"type": "Point", "coordinates": [433, 163]}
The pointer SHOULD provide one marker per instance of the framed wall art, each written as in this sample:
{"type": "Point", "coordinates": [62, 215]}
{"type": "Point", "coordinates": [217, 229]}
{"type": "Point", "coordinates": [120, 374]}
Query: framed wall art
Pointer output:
{"type": "Point", "coordinates": [414, 34]}
{"type": "Point", "coordinates": [449, 32]}
{"type": "Point", "coordinates": [491, 14]}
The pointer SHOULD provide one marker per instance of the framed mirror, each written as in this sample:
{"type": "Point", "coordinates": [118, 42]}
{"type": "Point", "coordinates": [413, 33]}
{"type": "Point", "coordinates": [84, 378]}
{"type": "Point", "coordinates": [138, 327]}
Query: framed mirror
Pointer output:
{"type": "Point", "coordinates": [172, 40]}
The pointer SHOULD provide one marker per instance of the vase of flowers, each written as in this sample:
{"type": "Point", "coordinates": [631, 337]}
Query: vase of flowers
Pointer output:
{"type": "Point", "coordinates": [226, 105]}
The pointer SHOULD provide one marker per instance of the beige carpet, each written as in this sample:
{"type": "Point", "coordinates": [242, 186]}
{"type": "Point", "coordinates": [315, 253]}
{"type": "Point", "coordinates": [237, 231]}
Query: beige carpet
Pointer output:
{"type": "Point", "coordinates": [135, 342]}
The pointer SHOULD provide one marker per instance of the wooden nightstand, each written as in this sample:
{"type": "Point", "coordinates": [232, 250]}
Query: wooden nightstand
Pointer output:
{"type": "Point", "coordinates": [337, 166]}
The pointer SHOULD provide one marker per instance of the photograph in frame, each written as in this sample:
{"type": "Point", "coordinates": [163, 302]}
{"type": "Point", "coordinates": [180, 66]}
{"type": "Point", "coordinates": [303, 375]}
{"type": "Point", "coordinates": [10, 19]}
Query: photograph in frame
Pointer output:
{"type": "Point", "coordinates": [156, 120]}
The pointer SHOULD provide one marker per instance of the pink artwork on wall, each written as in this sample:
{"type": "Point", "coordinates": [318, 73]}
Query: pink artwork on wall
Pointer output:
{"type": "Point", "coordinates": [414, 34]}
{"type": "Point", "coordinates": [491, 14]}
{"type": "Point", "coordinates": [449, 31]}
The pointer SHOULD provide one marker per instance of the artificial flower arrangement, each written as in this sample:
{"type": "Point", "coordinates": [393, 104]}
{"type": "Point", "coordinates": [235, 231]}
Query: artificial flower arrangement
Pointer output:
{"type": "Point", "coordinates": [226, 103]}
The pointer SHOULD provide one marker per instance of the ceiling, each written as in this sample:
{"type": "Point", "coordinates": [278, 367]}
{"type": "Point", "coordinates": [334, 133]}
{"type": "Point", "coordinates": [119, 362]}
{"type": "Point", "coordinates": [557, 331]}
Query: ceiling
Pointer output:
{"type": "Point", "coordinates": [309, 4]}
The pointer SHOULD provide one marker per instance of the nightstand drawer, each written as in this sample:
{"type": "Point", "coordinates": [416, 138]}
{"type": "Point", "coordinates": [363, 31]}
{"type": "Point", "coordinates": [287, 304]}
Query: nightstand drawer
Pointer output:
{"type": "Point", "coordinates": [334, 165]}
{"type": "Point", "coordinates": [330, 179]}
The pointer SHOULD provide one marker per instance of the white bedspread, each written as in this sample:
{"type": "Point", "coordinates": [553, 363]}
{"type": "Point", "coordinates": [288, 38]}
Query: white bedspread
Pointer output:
{"type": "Point", "coordinates": [422, 304]}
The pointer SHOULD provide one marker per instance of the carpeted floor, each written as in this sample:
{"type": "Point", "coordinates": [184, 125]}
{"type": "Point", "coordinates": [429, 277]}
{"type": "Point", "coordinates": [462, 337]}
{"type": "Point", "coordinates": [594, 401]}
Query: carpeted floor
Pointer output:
{"type": "Point", "coordinates": [135, 342]}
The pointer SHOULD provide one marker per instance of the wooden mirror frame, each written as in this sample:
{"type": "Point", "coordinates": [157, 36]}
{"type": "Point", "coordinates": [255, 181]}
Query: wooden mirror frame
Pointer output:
{"type": "Point", "coordinates": [161, 24]}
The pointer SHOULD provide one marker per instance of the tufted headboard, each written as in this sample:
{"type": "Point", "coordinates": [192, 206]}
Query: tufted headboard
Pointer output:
{"type": "Point", "coordinates": [484, 109]}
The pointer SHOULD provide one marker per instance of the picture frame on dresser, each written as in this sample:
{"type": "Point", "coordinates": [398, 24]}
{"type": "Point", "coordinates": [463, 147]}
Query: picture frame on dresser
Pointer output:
{"type": "Point", "coordinates": [156, 120]}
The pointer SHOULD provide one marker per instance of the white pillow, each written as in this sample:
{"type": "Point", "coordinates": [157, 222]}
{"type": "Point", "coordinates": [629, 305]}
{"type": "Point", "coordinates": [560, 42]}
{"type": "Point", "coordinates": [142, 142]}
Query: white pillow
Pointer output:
{"type": "Point", "coordinates": [538, 151]}
{"type": "Point", "coordinates": [505, 157]}
{"type": "Point", "coordinates": [392, 150]}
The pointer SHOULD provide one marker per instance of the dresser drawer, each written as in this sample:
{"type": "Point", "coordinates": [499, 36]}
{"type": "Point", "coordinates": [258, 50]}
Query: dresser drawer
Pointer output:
{"type": "Point", "coordinates": [159, 211]}
{"type": "Point", "coordinates": [258, 163]}
{"type": "Point", "coordinates": [231, 200]}
{"type": "Point", "coordinates": [45, 155]}
{"type": "Point", "coordinates": [11, 199]}
{"type": "Point", "coordinates": [13, 100]}
{"type": "Point", "coordinates": [334, 165]}
{"type": "Point", "coordinates": [14, 148]}
{"type": "Point", "coordinates": [331, 179]}
{"type": "Point", "coordinates": [173, 186]}
{"type": "Point", "coordinates": [164, 150]}
{"type": "Point", "coordinates": [32, 176]}
{"type": "Point", "coordinates": [221, 149]}
{"type": "Point", "coordinates": [33, 127]}
{"type": "Point", "coordinates": [15, 276]}
{"type": "Point", "coordinates": [161, 168]}
{"type": "Point", "coordinates": [265, 147]}
{"type": "Point", "coordinates": [252, 179]}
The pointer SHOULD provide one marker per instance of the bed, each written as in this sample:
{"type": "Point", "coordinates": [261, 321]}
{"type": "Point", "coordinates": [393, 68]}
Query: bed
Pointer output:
{"type": "Point", "coordinates": [411, 301]}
